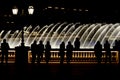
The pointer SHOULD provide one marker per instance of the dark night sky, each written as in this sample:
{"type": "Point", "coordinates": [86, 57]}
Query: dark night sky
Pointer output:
{"type": "Point", "coordinates": [98, 11]}
{"type": "Point", "coordinates": [93, 6]}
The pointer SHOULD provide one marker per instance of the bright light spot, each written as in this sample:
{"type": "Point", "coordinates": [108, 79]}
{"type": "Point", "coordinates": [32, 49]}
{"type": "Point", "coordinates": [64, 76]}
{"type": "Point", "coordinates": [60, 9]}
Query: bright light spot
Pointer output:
{"type": "Point", "coordinates": [56, 7]}
{"type": "Point", "coordinates": [62, 8]}
{"type": "Point", "coordinates": [24, 28]}
{"type": "Point", "coordinates": [80, 9]}
{"type": "Point", "coordinates": [86, 10]}
{"type": "Point", "coordinates": [10, 15]}
{"type": "Point", "coordinates": [7, 22]}
{"type": "Point", "coordinates": [49, 7]}
{"type": "Point", "coordinates": [15, 11]}
{"type": "Point", "coordinates": [30, 9]}
{"type": "Point", "coordinates": [45, 8]}
{"type": "Point", "coordinates": [27, 32]}
{"type": "Point", "coordinates": [5, 15]}
{"type": "Point", "coordinates": [17, 31]}
{"type": "Point", "coordinates": [12, 22]}
{"type": "Point", "coordinates": [74, 9]}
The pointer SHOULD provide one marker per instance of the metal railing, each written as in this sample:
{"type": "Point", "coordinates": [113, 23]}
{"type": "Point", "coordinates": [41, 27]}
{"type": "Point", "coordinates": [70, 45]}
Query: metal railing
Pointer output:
{"type": "Point", "coordinates": [82, 56]}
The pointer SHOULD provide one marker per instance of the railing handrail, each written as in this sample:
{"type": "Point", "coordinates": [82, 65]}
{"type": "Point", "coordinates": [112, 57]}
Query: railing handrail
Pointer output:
{"type": "Point", "coordinates": [54, 49]}
{"type": "Point", "coordinates": [81, 54]}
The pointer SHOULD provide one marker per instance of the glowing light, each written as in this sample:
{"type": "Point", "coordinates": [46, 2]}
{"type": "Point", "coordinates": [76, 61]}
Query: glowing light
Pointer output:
{"type": "Point", "coordinates": [80, 9]}
{"type": "Point", "coordinates": [30, 10]}
{"type": "Point", "coordinates": [49, 7]}
{"type": "Point", "coordinates": [45, 8]}
{"type": "Point", "coordinates": [12, 22]}
{"type": "Point", "coordinates": [56, 7]}
{"type": "Point", "coordinates": [5, 15]}
{"type": "Point", "coordinates": [7, 22]}
{"type": "Point", "coordinates": [74, 9]}
{"type": "Point", "coordinates": [62, 8]}
{"type": "Point", "coordinates": [15, 10]}
{"type": "Point", "coordinates": [86, 10]}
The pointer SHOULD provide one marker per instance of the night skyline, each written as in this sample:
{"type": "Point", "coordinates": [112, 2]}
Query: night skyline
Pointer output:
{"type": "Point", "coordinates": [62, 10]}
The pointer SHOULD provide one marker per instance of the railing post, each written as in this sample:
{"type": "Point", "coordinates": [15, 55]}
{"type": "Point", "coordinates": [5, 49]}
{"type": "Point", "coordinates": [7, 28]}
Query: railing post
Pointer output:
{"type": "Point", "coordinates": [119, 57]}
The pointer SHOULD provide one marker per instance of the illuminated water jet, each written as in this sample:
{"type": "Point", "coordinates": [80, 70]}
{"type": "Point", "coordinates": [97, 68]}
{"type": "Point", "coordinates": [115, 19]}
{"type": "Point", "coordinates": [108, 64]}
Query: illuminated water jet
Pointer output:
{"type": "Point", "coordinates": [88, 34]}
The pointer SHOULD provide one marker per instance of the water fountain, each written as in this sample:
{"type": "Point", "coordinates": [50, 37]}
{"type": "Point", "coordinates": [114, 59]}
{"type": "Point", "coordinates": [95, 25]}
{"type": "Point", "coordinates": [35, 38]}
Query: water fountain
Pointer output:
{"type": "Point", "coordinates": [88, 34]}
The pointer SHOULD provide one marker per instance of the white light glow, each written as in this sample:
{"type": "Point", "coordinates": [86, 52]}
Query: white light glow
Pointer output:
{"type": "Point", "coordinates": [74, 9]}
{"type": "Point", "coordinates": [62, 8]}
{"type": "Point", "coordinates": [15, 11]}
{"type": "Point", "coordinates": [80, 9]}
{"type": "Point", "coordinates": [49, 6]}
{"type": "Point", "coordinates": [56, 7]}
{"type": "Point", "coordinates": [86, 10]}
{"type": "Point", "coordinates": [45, 8]}
{"type": "Point", "coordinates": [30, 10]}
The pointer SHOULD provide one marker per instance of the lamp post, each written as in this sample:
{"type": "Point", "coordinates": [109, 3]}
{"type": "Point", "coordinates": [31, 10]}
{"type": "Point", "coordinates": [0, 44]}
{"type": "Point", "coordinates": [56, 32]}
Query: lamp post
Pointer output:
{"type": "Point", "coordinates": [21, 55]}
{"type": "Point", "coordinates": [30, 12]}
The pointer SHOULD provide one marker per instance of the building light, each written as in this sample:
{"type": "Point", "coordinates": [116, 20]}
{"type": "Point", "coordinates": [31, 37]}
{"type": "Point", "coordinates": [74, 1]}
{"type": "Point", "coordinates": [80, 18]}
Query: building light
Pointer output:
{"type": "Point", "coordinates": [56, 7]}
{"type": "Point", "coordinates": [86, 10]}
{"type": "Point", "coordinates": [46, 8]}
{"type": "Point", "coordinates": [8, 22]}
{"type": "Point", "coordinates": [74, 9]}
{"type": "Point", "coordinates": [62, 8]}
{"type": "Point", "coordinates": [80, 9]}
{"type": "Point", "coordinates": [12, 22]}
{"type": "Point", "coordinates": [49, 7]}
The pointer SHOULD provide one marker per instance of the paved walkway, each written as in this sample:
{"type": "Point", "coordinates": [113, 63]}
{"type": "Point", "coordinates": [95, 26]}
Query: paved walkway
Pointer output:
{"type": "Point", "coordinates": [59, 72]}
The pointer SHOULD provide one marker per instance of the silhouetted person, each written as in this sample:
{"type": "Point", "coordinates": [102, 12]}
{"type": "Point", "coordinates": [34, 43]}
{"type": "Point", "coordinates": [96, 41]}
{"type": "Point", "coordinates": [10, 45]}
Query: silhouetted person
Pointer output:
{"type": "Point", "coordinates": [4, 49]}
{"type": "Point", "coordinates": [47, 52]}
{"type": "Point", "coordinates": [108, 51]}
{"type": "Point", "coordinates": [40, 52]}
{"type": "Point", "coordinates": [62, 52]}
{"type": "Point", "coordinates": [34, 51]}
{"type": "Point", "coordinates": [69, 49]}
{"type": "Point", "coordinates": [118, 48]}
{"type": "Point", "coordinates": [115, 47]}
{"type": "Point", "coordinates": [77, 44]}
{"type": "Point", "coordinates": [98, 51]}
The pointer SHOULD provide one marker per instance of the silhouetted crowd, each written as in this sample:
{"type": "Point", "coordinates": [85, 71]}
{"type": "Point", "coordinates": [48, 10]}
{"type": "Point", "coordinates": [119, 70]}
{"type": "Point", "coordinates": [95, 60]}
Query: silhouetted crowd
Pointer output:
{"type": "Point", "coordinates": [38, 50]}
{"type": "Point", "coordinates": [98, 51]}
